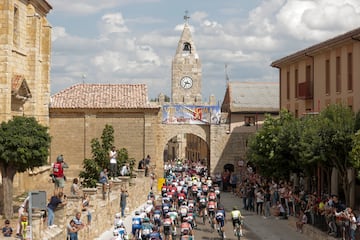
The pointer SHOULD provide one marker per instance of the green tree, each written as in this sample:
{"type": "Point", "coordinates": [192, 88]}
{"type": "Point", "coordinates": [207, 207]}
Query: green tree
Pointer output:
{"type": "Point", "coordinates": [336, 130]}
{"type": "Point", "coordinates": [24, 144]}
{"type": "Point", "coordinates": [100, 157]}
{"type": "Point", "coordinates": [273, 149]}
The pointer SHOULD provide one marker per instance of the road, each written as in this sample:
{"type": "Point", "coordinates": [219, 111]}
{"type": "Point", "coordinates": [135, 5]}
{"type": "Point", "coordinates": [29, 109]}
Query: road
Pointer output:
{"type": "Point", "coordinates": [256, 227]}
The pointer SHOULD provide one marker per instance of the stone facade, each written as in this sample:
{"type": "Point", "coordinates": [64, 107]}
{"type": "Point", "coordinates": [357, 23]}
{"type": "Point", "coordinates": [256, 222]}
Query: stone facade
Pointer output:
{"type": "Point", "coordinates": [25, 44]}
{"type": "Point", "coordinates": [186, 71]}
{"type": "Point", "coordinates": [102, 211]}
{"type": "Point", "coordinates": [25, 49]}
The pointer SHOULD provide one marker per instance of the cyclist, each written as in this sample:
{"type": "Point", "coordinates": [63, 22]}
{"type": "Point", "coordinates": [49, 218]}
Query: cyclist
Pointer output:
{"type": "Point", "coordinates": [167, 226]}
{"type": "Point", "coordinates": [174, 216]}
{"type": "Point", "coordinates": [220, 219]}
{"type": "Point", "coordinates": [183, 211]}
{"type": "Point", "coordinates": [236, 218]}
{"type": "Point", "coordinates": [202, 205]}
{"type": "Point", "coordinates": [181, 197]}
{"type": "Point", "coordinates": [212, 195]}
{"type": "Point", "coordinates": [211, 206]}
{"type": "Point", "coordinates": [136, 224]}
{"type": "Point", "coordinates": [146, 228]}
{"type": "Point", "coordinates": [157, 217]}
{"type": "Point", "coordinates": [185, 229]}
{"type": "Point", "coordinates": [155, 235]}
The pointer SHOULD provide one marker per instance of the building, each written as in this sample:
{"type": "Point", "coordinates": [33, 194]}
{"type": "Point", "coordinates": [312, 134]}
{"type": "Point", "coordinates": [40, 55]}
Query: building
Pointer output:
{"type": "Point", "coordinates": [79, 114]}
{"type": "Point", "coordinates": [320, 75]}
{"type": "Point", "coordinates": [25, 50]}
{"type": "Point", "coordinates": [25, 47]}
{"type": "Point", "coordinates": [246, 104]}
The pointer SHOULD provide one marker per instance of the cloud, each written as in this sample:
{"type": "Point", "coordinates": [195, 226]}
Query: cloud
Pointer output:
{"type": "Point", "coordinates": [319, 19]}
{"type": "Point", "coordinates": [138, 47]}
{"type": "Point", "coordinates": [112, 23]}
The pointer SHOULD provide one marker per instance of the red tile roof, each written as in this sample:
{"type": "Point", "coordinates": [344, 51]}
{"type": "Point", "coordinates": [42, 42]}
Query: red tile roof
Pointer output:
{"type": "Point", "coordinates": [105, 96]}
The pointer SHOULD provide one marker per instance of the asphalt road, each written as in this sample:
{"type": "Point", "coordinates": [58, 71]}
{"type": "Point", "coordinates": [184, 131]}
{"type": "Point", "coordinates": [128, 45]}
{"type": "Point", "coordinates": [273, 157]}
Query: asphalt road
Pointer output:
{"type": "Point", "coordinates": [256, 227]}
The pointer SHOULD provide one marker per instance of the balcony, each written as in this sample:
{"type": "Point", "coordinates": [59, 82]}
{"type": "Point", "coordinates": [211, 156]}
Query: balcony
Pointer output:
{"type": "Point", "coordinates": [305, 91]}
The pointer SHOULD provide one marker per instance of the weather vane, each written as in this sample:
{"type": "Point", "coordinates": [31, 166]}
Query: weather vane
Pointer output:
{"type": "Point", "coordinates": [186, 17]}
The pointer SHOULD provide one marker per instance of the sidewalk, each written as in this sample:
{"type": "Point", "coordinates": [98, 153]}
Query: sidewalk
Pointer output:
{"type": "Point", "coordinates": [265, 229]}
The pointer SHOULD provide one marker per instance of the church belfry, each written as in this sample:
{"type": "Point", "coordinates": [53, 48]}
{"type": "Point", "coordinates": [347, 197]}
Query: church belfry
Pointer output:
{"type": "Point", "coordinates": [186, 70]}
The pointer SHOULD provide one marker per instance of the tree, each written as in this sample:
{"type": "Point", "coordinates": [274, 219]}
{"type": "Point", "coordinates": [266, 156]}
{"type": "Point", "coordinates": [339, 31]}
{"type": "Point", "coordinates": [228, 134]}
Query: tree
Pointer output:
{"type": "Point", "coordinates": [336, 130]}
{"type": "Point", "coordinates": [100, 157]}
{"type": "Point", "coordinates": [24, 144]}
{"type": "Point", "coordinates": [273, 149]}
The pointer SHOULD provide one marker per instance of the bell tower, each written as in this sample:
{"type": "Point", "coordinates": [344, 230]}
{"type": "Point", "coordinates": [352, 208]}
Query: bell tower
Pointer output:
{"type": "Point", "coordinates": [186, 70]}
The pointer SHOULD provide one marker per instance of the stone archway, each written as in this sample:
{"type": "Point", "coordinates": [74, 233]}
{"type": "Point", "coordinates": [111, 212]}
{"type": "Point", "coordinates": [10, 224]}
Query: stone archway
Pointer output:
{"type": "Point", "coordinates": [167, 131]}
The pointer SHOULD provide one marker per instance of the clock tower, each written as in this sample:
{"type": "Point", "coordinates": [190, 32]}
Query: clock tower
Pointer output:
{"type": "Point", "coordinates": [186, 70]}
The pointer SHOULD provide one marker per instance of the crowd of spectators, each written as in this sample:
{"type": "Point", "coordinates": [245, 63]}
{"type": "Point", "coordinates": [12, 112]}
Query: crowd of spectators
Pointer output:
{"type": "Point", "coordinates": [282, 199]}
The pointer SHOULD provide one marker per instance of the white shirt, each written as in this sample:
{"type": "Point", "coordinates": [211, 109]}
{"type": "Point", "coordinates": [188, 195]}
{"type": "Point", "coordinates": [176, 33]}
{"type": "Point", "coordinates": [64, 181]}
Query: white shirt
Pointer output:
{"type": "Point", "coordinates": [112, 156]}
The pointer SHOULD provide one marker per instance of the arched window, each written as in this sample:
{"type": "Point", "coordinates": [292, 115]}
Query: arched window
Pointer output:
{"type": "Point", "coordinates": [187, 47]}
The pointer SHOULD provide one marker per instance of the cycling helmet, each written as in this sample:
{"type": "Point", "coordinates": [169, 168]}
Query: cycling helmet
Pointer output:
{"type": "Point", "coordinates": [146, 219]}
{"type": "Point", "coordinates": [137, 213]}
{"type": "Point", "coordinates": [235, 208]}
{"type": "Point", "coordinates": [60, 158]}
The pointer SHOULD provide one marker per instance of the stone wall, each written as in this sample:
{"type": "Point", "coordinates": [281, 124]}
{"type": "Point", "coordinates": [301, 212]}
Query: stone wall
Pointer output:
{"type": "Point", "coordinates": [103, 211]}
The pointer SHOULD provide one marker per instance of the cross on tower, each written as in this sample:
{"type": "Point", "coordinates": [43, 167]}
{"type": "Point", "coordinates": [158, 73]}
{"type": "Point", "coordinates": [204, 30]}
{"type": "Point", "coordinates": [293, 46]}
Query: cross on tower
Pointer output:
{"type": "Point", "coordinates": [186, 17]}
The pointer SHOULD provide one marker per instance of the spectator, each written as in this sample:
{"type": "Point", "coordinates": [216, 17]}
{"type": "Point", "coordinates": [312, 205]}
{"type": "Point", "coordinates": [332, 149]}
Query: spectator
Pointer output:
{"type": "Point", "coordinates": [104, 179]}
{"type": "Point", "coordinates": [113, 162]}
{"type": "Point", "coordinates": [72, 231]}
{"type": "Point", "coordinates": [85, 205]}
{"type": "Point", "coordinates": [22, 211]}
{"type": "Point", "coordinates": [124, 194]}
{"type": "Point", "coordinates": [75, 188]}
{"type": "Point", "coordinates": [147, 165]}
{"type": "Point", "coordinates": [141, 164]}
{"type": "Point", "coordinates": [77, 220]}
{"type": "Point", "coordinates": [301, 221]}
{"type": "Point", "coordinates": [57, 199]}
{"type": "Point", "coordinates": [7, 230]}
{"type": "Point", "coordinates": [58, 173]}
{"type": "Point", "coordinates": [125, 171]}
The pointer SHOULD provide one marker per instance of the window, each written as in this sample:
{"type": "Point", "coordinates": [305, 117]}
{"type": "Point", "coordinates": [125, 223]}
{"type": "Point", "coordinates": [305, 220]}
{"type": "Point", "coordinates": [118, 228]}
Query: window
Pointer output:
{"type": "Point", "coordinates": [350, 71]}
{"type": "Point", "coordinates": [338, 74]}
{"type": "Point", "coordinates": [327, 76]}
{"type": "Point", "coordinates": [288, 85]}
{"type": "Point", "coordinates": [16, 29]}
{"type": "Point", "coordinates": [296, 83]}
{"type": "Point", "coordinates": [249, 120]}
{"type": "Point", "coordinates": [308, 73]}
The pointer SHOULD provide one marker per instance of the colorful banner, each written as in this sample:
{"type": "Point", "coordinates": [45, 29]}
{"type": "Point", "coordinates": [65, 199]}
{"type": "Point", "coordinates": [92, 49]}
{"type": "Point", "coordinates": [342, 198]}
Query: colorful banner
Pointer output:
{"type": "Point", "coordinates": [190, 114]}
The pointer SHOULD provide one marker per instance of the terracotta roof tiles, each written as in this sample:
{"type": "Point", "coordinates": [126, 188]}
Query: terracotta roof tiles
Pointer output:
{"type": "Point", "coordinates": [105, 96]}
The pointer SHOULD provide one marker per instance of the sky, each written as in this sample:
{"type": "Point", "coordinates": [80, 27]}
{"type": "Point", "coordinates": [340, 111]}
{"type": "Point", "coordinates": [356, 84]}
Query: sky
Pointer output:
{"type": "Point", "coordinates": [134, 41]}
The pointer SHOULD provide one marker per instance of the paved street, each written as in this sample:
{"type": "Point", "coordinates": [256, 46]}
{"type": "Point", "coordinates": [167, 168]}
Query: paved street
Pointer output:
{"type": "Point", "coordinates": [256, 227]}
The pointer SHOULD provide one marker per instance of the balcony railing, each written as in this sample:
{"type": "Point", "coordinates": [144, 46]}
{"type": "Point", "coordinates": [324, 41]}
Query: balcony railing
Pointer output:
{"type": "Point", "coordinates": [305, 90]}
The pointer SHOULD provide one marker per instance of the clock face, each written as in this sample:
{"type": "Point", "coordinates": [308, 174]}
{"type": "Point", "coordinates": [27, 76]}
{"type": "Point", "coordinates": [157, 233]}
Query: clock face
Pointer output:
{"type": "Point", "coordinates": [186, 82]}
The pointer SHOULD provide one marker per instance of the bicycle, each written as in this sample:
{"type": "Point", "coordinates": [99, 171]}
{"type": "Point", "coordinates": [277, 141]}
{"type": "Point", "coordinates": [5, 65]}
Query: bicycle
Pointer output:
{"type": "Point", "coordinates": [237, 231]}
{"type": "Point", "coordinates": [211, 221]}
